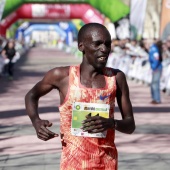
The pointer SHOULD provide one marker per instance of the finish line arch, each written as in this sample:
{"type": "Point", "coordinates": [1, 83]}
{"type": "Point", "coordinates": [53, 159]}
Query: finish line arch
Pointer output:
{"type": "Point", "coordinates": [113, 9]}
{"type": "Point", "coordinates": [66, 30]}
{"type": "Point", "coordinates": [52, 11]}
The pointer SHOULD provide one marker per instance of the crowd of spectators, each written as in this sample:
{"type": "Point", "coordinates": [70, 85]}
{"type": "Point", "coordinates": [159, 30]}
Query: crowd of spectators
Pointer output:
{"type": "Point", "coordinates": [132, 57]}
{"type": "Point", "coordinates": [140, 48]}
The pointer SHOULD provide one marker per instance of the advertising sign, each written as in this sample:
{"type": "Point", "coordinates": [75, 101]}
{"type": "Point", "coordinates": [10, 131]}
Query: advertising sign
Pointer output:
{"type": "Point", "coordinates": [51, 11]}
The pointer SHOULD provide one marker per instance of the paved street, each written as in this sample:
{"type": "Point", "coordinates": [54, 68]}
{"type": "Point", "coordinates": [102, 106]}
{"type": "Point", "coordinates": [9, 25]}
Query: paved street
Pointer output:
{"type": "Point", "coordinates": [147, 148]}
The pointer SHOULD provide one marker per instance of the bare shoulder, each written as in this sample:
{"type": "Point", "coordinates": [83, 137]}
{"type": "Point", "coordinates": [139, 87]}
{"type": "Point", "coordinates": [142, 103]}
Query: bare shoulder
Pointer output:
{"type": "Point", "coordinates": [56, 75]}
{"type": "Point", "coordinates": [120, 78]}
{"type": "Point", "coordinates": [60, 72]}
{"type": "Point", "coordinates": [119, 74]}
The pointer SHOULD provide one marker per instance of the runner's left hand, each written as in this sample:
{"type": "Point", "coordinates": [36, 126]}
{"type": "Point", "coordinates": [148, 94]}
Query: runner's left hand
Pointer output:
{"type": "Point", "coordinates": [97, 124]}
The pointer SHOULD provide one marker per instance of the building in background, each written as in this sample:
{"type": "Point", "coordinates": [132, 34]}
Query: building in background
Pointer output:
{"type": "Point", "coordinates": [165, 20]}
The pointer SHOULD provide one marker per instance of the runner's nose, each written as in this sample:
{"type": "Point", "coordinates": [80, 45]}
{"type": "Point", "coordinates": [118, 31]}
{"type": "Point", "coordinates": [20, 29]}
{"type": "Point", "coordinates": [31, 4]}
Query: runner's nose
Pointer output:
{"type": "Point", "coordinates": [103, 48]}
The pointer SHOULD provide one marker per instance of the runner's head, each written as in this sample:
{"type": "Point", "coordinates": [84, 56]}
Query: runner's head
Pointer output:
{"type": "Point", "coordinates": [94, 41]}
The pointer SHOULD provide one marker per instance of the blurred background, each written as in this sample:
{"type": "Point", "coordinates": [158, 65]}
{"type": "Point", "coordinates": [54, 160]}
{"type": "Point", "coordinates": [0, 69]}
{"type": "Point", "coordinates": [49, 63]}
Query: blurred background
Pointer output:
{"type": "Point", "coordinates": [43, 35]}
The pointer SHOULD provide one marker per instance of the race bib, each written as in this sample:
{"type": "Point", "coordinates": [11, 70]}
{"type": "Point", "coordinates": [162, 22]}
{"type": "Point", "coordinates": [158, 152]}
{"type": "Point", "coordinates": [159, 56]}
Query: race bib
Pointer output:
{"type": "Point", "coordinates": [79, 112]}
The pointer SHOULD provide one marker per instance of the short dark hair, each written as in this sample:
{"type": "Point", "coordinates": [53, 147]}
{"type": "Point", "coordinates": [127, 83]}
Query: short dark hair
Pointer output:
{"type": "Point", "coordinates": [86, 27]}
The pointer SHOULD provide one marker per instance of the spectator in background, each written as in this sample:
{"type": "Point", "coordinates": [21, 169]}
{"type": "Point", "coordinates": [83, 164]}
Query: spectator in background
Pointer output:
{"type": "Point", "coordinates": [155, 59]}
{"type": "Point", "coordinates": [8, 53]}
{"type": "Point", "coordinates": [167, 43]}
{"type": "Point", "coordinates": [166, 52]}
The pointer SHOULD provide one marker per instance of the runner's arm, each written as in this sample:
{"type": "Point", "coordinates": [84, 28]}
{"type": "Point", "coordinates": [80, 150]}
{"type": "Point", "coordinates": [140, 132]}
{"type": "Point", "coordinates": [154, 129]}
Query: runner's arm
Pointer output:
{"type": "Point", "coordinates": [31, 101]}
{"type": "Point", "coordinates": [32, 97]}
{"type": "Point", "coordinates": [127, 124]}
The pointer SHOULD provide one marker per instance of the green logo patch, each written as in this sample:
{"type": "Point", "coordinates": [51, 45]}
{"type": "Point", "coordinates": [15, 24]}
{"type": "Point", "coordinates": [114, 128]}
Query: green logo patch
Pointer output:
{"type": "Point", "coordinates": [78, 107]}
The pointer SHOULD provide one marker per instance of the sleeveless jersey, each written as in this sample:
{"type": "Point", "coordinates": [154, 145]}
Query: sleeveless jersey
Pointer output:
{"type": "Point", "coordinates": [87, 153]}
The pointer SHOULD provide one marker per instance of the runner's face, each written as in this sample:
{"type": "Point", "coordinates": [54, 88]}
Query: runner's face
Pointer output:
{"type": "Point", "coordinates": [97, 46]}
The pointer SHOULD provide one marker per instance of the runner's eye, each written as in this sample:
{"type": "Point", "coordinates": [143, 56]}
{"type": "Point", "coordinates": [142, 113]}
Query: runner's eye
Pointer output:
{"type": "Point", "coordinates": [97, 43]}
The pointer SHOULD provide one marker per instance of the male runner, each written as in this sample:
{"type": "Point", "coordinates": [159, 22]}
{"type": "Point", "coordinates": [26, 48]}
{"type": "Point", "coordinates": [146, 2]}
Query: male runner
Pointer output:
{"type": "Point", "coordinates": [90, 82]}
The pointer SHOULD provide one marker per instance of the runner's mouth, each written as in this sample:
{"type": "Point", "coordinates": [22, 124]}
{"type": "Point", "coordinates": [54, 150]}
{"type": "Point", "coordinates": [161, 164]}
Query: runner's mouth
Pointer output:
{"type": "Point", "coordinates": [102, 58]}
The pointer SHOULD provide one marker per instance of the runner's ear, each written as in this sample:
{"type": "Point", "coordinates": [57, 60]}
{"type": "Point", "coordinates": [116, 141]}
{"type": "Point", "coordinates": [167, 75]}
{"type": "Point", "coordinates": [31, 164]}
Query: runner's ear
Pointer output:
{"type": "Point", "coordinates": [81, 46]}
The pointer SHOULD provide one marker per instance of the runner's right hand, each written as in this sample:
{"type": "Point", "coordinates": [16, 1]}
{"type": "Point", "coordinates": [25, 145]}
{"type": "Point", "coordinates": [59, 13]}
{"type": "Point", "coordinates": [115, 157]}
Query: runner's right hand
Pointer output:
{"type": "Point", "coordinates": [42, 132]}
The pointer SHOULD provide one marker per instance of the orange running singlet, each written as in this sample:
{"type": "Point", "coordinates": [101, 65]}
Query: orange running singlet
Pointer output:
{"type": "Point", "coordinates": [87, 153]}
